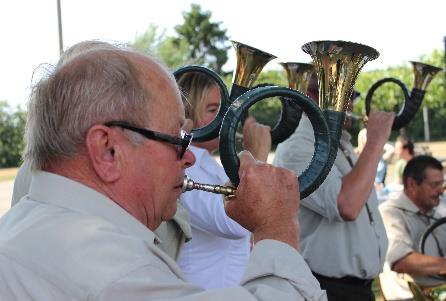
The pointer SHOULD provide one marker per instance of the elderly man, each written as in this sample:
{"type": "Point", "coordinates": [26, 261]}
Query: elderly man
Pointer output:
{"type": "Point", "coordinates": [407, 217]}
{"type": "Point", "coordinates": [173, 233]}
{"type": "Point", "coordinates": [106, 144]}
{"type": "Point", "coordinates": [343, 236]}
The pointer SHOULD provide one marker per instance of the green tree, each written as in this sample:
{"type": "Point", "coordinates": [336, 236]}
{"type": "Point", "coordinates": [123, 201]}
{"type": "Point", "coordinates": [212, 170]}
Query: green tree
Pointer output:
{"type": "Point", "coordinates": [206, 40]}
{"type": "Point", "coordinates": [156, 43]}
{"type": "Point", "coordinates": [12, 126]}
{"type": "Point", "coordinates": [149, 41]}
{"type": "Point", "coordinates": [174, 54]}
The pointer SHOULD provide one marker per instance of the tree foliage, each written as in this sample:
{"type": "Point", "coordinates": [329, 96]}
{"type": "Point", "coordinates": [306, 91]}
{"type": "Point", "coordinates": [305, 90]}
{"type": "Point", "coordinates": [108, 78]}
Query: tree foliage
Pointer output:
{"type": "Point", "coordinates": [165, 48]}
{"type": "Point", "coordinates": [12, 126]}
{"type": "Point", "coordinates": [198, 41]}
{"type": "Point", "coordinates": [206, 40]}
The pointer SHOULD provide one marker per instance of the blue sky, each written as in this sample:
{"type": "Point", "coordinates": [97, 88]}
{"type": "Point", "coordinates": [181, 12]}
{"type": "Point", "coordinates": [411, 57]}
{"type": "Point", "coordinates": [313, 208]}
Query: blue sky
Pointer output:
{"type": "Point", "coordinates": [400, 30]}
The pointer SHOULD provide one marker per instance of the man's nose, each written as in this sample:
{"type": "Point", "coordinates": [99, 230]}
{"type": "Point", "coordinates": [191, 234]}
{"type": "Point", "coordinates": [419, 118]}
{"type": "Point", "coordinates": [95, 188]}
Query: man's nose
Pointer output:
{"type": "Point", "coordinates": [188, 158]}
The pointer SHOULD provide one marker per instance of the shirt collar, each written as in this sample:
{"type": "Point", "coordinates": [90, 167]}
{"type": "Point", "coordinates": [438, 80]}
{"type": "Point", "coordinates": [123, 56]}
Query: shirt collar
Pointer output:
{"type": "Point", "coordinates": [182, 219]}
{"type": "Point", "coordinates": [63, 192]}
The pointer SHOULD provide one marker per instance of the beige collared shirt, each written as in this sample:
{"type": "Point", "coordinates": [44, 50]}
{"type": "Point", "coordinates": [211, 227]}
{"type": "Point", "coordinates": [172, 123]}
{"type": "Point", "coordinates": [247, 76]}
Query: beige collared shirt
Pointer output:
{"type": "Point", "coordinates": [65, 241]}
{"type": "Point", "coordinates": [332, 246]}
{"type": "Point", "coordinates": [173, 233]}
{"type": "Point", "coordinates": [405, 226]}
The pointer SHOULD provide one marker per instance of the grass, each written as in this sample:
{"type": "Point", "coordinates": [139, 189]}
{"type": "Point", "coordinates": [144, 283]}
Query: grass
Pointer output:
{"type": "Point", "coordinates": [7, 174]}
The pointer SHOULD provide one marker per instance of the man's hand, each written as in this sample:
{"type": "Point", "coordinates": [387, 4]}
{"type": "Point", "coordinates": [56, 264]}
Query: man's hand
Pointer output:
{"type": "Point", "coordinates": [266, 201]}
{"type": "Point", "coordinates": [379, 127]}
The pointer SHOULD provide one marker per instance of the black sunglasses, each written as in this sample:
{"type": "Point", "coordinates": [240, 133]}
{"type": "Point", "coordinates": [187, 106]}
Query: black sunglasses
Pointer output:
{"type": "Point", "coordinates": [181, 143]}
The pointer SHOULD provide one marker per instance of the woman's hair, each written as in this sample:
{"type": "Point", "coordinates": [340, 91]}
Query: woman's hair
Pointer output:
{"type": "Point", "coordinates": [195, 88]}
{"type": "Point", "coordinates": [93, 82]}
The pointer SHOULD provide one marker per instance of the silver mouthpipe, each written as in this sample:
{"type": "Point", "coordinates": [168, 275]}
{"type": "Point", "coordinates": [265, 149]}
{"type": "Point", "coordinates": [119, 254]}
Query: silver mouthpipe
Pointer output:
{"type": "Point", "coordinates": [189, 184]}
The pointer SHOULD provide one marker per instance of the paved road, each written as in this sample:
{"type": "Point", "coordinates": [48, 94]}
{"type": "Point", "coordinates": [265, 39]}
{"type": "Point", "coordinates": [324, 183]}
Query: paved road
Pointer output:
{"type": "Point", "coordinates": [5, 195]}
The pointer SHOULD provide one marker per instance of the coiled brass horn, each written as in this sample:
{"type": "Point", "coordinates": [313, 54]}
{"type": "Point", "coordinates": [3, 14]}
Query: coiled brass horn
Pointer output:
{"type": "Point", "coordinates": [423, 74]}
{"type": "Point", "coordinates": [250, 62]}
{"type": "Point", "coordinates": [337, 65]}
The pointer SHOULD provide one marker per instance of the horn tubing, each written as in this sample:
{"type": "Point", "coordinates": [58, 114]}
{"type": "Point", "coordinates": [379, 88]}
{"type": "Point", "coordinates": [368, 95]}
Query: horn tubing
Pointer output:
{"type": "Point", "coordinates": [323, 158]}
{"type": "Point", "coordinates": [410, 106]}
{"type": "Point", "coordinates": [211, 130]}
{"type": "Point", "coordinates": [428, 231]}
{"type": "Point", "coordinates": [288, 122]}
{"type": "Point", "coordinates": [236, 91]}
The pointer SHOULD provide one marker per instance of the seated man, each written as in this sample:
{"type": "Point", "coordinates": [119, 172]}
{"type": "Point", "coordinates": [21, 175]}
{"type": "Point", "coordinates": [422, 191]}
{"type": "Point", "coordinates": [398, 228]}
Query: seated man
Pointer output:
{"type": "Point", "coordinates": [407, 217]}
{"type": "Point", "coordinates": [106, 145]}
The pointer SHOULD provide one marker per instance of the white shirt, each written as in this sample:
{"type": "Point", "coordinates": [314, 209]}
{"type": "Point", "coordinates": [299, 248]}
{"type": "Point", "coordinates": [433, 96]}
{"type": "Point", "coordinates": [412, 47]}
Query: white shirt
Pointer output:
{"type": "Point", "coordinates": [218, 253]}
{"type": "Point", "coordinates": [65, 241]}
{"type": "Point", "coordinates": [331, 246]}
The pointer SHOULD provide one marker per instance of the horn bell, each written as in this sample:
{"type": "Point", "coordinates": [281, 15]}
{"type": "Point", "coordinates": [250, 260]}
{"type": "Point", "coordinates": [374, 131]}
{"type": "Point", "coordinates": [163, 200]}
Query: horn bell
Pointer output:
{"type": "Point", "coordinates": [424, 73]}
{"type": "Point", "coordinates": [338, 64]}
{"type": "Point", "coordinates": [250, 62]}
{"type": "Point", "coordinates": [298, 75]}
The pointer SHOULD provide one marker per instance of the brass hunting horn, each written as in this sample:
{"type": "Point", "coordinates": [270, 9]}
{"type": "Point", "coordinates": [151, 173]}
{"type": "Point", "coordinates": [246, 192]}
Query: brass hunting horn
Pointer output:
{"type": "Point", "coordinates": [337, 65]}
{"type": "Point", "coordinates": [424, 73]}
{"type": "Point", "coordinates": [250, 62]}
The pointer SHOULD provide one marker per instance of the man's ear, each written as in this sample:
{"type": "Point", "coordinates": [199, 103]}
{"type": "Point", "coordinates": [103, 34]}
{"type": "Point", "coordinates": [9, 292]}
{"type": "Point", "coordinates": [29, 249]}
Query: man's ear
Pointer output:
{"type": "Point", "coordinates": [411, 183]}
{"type": "Point", "coordinates": [104, 152]}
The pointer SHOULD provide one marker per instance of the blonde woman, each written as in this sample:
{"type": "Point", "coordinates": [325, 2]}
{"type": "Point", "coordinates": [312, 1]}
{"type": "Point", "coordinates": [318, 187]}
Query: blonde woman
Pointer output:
{"type": "Point", "coordinates": [218, 252]}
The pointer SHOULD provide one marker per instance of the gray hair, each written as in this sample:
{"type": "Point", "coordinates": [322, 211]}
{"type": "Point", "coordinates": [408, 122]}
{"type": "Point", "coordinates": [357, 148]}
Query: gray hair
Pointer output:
{"type": "Point", "coordinates": [93, 83]}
